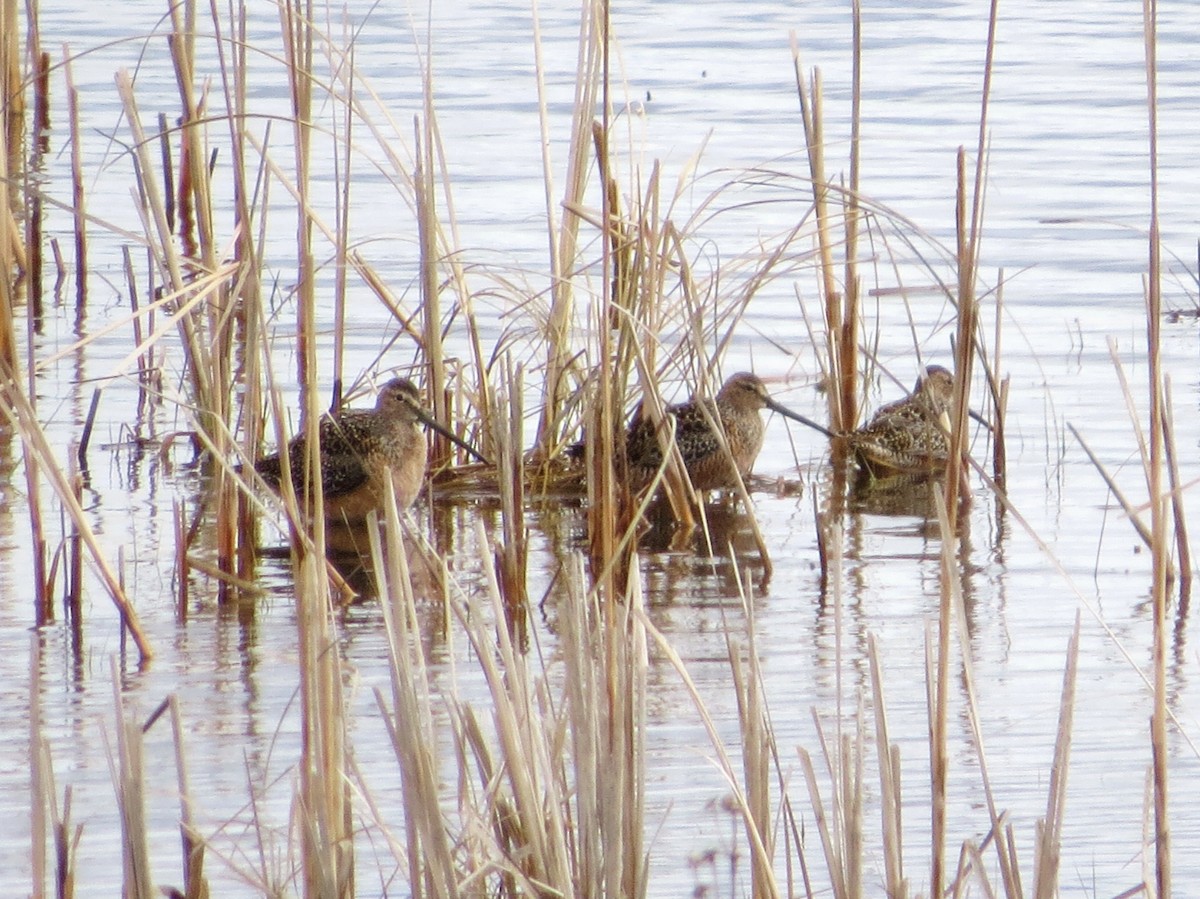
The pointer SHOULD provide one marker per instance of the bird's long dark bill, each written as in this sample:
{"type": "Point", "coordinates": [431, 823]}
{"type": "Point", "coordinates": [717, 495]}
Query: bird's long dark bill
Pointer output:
{"type": "Point", "coordinates": [796, 416]}
{"type": "Point", "coordinates": [431, 422]}
{"type": "Point", "coordinates": [979, 418]}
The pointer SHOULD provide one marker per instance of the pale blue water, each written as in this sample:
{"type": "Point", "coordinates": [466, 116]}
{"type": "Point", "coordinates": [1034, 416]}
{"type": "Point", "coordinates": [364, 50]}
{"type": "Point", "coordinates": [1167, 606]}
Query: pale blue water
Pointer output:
{"type": "Point", "coordinates": [1067, 208]}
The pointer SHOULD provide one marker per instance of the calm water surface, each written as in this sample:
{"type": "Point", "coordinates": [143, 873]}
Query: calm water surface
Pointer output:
{"type": "Point", "coordinates": [1067, 202]}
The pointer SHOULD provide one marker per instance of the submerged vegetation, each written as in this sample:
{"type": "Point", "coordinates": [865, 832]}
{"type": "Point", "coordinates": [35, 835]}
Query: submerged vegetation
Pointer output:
{"type": "Point", "coordinates": [543, 790]}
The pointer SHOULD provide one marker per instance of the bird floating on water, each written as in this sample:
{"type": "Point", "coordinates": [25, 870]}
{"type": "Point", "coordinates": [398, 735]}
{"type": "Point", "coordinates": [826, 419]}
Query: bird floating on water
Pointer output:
{"type": "Point", "coordinates": [907, 436]}
{"type": "Point", "coordinates": [358, 447]}
{"type": "Point", "coordinates": [736, 409]}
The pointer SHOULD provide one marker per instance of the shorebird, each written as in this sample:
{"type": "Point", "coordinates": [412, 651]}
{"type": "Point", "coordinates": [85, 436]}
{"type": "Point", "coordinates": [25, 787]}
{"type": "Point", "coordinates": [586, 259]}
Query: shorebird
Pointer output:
{"type": "Point", "coordinates": [736, 409]}
{"type": "Point", "coordinates": [907, 436]}
{"type": "Point", "coordinates": [357, 447]}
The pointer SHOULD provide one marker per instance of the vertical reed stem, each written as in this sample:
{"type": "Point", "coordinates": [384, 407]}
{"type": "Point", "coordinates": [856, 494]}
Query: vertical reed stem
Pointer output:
{"type": "Point", "coordinates": [78, 203]}
{"type": "Point", "coordinates": [1159, 520]}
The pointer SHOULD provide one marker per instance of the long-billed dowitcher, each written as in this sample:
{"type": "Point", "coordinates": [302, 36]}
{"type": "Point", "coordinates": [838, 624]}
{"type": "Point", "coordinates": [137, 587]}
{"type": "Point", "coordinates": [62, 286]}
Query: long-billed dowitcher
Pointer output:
{"type": "Point", "coordinates": [357, 447]}
{"type": "Point", "coordinates": [907, 436]}
{"type": "Point", "coordinates": [737, 409]}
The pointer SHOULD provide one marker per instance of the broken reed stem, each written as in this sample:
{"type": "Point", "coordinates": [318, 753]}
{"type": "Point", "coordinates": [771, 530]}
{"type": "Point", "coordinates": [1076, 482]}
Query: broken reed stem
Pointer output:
{"type": "Point", "coordinates": [1182, 545]}
{"type": "Point", "coordinates": [1048, 850]}
{"type": "Point", "coordinates": [999, 391]}
{"type": "Point", "coordinates": [194, 883]}
{"type": "Point", "coordinates": [129, 784]}
{"type": "Point", "coordinates": [511, 551]}
{"type": "Point", "coordinates": [891, 805]}
{"type": "Point", "coordinates": [757, 744]}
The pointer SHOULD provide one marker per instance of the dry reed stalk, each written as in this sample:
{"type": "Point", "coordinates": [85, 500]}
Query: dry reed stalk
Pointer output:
{"type": "Point", "coordinates": [128, 774]}
{"type": "Point", "coordinates": [326, 844]}
{"type": "Point", "coordinates": [511, 551]}
{"type": "Point", "coordinates": [40, 771]}
{"type": "Point", "coordinates": [1131, 512]}
{"type": "Point", "coordinates": [195, 192]}
{"type": "Point", "coordinates": [343, 169]}
{"type": "Point", "coordinates": [604, 707]}
{"type": "Point", "coordinates": [180, 572]}
{"type": "Point", "coordinates": [38, 145]}
{"type": "Point", "coordinates": [590, 80]}
{"type": "Point", "coordinates": [1182, 544]}
{"type": "Point", "coordinates": [78, 202]}
{"type": "Point", "coordinates": [12, 109]}
{"type": "Point", "coordinates": [203, 319]}
{"type": "Point", "coordinates": [758, 745]}
{"type": "Point", "coordinates": [168, 170]}
{"type": "Point", "coordinates": [848, 339]}
{"type": "Point", "coordinates": [521, 732]}
{"type": "Point", "coordinates": [757, 839]}
{"type": "Point", "coordinates": [952, 597]}
{"type": "Point", "coordinates": [11, 258]}
{"type": "Point", "coordinates": [73, 579]}
{"type": "Point", "coordinates": [1159, 518]}
{"type": "Point", "coordinates": [430, 291]}
{"type": "Point", "coordinates": [1048, 851]}
{"type": "Point", "coordinates": [248, 254]}
{"type": "Point", "coordinates": [194, 884]}
{"type": "Point", "coordinates": [891, 805]}
{"type": "Point", "coordinates": [840, 827]}
{"type": "Point", "coordinates": [65, 841]}
{"type": "Point", "coordinates": [839, 330]}
{"type": "Point", "coordinates": [967, 227]}
{"type": "Point", "coordinates": [8, 248]}
{"type": "Point", "coordinates": [218, 326]}
{"type": "Point", "coordinates": [327, 847]}
{"type": "Point", "coordinates": [428, 851]}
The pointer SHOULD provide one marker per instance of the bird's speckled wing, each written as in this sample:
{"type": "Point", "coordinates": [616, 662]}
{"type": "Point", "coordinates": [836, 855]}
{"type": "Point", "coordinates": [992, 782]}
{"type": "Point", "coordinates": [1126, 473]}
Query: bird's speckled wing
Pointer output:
{"type": "Point", "coordinates": [342, 467]}
{"type": "Point", "coordinates": [693, 436]}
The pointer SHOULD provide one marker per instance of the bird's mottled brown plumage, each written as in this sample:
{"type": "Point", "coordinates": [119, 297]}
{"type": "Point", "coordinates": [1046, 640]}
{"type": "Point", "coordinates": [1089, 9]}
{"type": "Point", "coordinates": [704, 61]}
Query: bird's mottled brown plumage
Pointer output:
{"type": "Point", "coordinates": [357, 448]}
{"type": "Point", "coordinates": [907, 436]}
{"type": "Point", "coordinates": [736, 408]}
